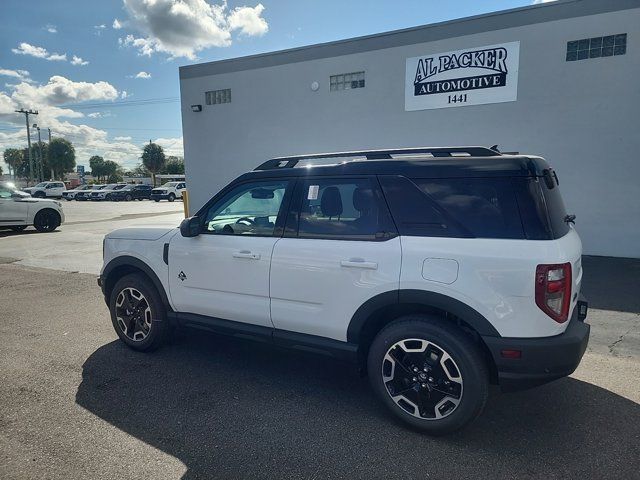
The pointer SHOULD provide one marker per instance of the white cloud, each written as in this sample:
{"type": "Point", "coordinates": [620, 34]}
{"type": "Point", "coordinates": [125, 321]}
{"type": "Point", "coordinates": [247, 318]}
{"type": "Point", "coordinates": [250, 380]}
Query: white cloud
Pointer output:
{"type": "Point", "coordinates": [124, 94]}
{"type": "Point", "coordinates": [59, 90]}
{"type": "Point", "coordinates": [117, 24]}
{"type": "Point", "coordinates": [248, 20]}
{"type": "Point", "coordinates": [142, 75]}
{"type": "Point", "coordinates": [19, 74]}
{"type": "Point", "coordinates": [536, 2]}
{"type": "Point", "coordinates": [122, 139]}
{"type": "Point", "coordinates": [51, 28]}
{"type": "Point", "coordinates": [38, 52]}
{"type": "Point", "coordinates": [78, 61]}
{"type": "Point", "coordinates": [181, 28]}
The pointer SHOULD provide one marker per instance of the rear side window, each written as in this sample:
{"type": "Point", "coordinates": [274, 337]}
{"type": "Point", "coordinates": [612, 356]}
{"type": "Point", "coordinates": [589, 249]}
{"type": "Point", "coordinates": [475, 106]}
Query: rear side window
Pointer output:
{"type": "Point", "coordinates": [455, 207]}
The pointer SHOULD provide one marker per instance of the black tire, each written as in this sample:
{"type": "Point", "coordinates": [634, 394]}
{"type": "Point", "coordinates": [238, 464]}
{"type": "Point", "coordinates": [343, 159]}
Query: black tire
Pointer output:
{"type": "Point", "coordinates": [156, 199]}
{"type": "Point", "coordinates": [68, 199]}
{"type": "Point", "coordinates": [18, 228]}
{"type": "Point", "coordinates": [159, 329]}
{"type": "Point", "coordinates": [128, 198]}
{"type": "Point", "coordinates": [39, 194]}
{"type": "Point", "coordinates": [46, 220]}
{"type": "Point", "coordinates": [470, 393]}
{"type": "Point", "coordinates": [172, 197]}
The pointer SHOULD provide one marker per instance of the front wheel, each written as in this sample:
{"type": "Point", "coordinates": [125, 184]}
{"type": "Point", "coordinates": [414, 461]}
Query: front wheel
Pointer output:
{"type": "Point", "coordinates": [39, 194]}
{"type": "Point", "coordinates": [137, 313]}
{"type": "Point", "coordinates": [46, 220]}
{"type": "Point", "coordinates": [172, 197]}
{"type": "Point", "coordinates": [128, 198]}
{"type": "Point", "coordinates": [428, 373]}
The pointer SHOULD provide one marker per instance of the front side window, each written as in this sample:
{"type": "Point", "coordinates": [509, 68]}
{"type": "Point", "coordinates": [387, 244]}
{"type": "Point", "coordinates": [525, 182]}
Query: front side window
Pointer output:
{"type": "Point", "coordinates": [340, 208]}
{"type": "Point", "coordinates": [249, 209]}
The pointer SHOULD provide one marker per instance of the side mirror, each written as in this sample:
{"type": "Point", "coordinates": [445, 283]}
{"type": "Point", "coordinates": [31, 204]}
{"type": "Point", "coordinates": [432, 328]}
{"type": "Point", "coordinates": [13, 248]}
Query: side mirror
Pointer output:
{"type": "Point", "coordinates": [190, 227]}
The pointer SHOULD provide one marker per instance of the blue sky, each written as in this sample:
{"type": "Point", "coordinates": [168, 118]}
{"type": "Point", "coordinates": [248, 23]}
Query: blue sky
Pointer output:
{"type": "Point", "coordinates": [117, 53]}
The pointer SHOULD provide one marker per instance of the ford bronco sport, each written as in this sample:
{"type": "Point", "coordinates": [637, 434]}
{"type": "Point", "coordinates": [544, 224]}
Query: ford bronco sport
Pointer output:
{"type": "Point", "coordinates": [438, 270]}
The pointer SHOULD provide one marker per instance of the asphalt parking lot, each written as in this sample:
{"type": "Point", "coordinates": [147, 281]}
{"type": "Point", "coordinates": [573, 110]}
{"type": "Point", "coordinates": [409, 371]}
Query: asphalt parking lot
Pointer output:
{"type": "Point", "coordinates": [75, 403]}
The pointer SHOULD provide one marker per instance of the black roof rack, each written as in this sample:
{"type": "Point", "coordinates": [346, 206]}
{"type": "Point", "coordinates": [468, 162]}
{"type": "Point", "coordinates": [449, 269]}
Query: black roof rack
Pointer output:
{"type": "Point", "coordinates": [290, 162]}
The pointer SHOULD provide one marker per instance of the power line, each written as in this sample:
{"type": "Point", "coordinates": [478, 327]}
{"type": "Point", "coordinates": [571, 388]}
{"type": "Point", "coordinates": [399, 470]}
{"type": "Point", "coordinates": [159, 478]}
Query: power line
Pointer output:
{"type": "Point", "coordinates": [122, 103]}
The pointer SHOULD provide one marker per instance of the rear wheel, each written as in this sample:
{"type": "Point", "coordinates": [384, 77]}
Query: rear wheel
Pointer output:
{"type": "Point", "coordinates": [46, 220]}
{"type": "Point", "coordinates": [156, 199]}
{"type": "Point", "coordinates": [172, 197]}
{"type": "Point", "coordinates": [428, 373]}
{"type": "Point", "coordinates": [137, 313]}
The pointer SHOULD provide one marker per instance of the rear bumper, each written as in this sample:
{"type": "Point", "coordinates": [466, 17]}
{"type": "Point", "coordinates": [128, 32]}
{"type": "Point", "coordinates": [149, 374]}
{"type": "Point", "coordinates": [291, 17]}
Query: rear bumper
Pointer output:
{"type": "Point", "coordinates": [543, 359]}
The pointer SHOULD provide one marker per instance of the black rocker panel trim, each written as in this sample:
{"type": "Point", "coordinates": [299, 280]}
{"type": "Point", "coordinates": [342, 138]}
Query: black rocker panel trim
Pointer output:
{"type": "Point", "coordinates": [298, 341]}
{"type": "Point", "coordinates": [418, 297]}
{"type": "Point", "coordinates": [128, 261]}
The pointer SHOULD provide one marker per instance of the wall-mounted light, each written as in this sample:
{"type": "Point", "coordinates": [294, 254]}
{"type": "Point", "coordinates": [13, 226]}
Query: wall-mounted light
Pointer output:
{"type": "Point", "coordinates": [196, 108]}
{"type": "Point", "coordinates": [315, 86]}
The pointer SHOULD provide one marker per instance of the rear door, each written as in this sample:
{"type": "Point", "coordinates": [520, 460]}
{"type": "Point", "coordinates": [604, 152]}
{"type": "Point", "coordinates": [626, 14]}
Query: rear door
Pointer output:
{"type": "Point", "coordinates": [339, 250]}
{"type": "Point", "coordinates": [224, 271]}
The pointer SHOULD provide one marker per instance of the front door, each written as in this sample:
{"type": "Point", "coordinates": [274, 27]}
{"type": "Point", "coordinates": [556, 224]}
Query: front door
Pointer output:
{"type": "Point", "coordinates": [224, 271]}
{"type": "Point", "coordinates": [13, 211]}
{"type": "Point", "coordinates": [340, 250]}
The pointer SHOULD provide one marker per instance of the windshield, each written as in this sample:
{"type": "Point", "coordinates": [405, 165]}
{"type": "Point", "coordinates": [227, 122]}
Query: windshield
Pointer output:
{"type": "Point", "coordinates": [127, 187]}
{"type": "Point", "coordinates": [42, 184]}
{"type": "Point", "coordinates": [110, 186]}
{"type": "Point", "coordinates": [119, 187]}
{"type": "Point", "coordinates": [171, 184]}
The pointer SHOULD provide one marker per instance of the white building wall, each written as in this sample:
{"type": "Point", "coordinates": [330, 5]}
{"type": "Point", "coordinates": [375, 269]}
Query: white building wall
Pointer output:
{"type": "Point", "coordinates": [582, 116]}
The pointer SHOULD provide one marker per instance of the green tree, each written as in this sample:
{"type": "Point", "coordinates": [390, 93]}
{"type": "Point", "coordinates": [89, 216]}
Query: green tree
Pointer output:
{"type": "Point", "coordinates": [13, 157]}
{"type": "Point", "coordinates": [96, 164]}
{"type": "Point", "coordinates": [62, 157]}
{"type": "Point", "coordinates": [153, 159]}
{"type": "Point", "coordinates": [174, 166]}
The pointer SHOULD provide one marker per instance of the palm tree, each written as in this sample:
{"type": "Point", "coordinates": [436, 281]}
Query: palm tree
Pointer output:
{"type": "Point", "coordinates": [153, 159]}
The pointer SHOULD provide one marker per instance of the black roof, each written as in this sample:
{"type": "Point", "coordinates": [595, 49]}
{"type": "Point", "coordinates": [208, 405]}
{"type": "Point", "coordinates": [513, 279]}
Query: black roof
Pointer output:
{"type": "Point", "coordinates": [437, 162]}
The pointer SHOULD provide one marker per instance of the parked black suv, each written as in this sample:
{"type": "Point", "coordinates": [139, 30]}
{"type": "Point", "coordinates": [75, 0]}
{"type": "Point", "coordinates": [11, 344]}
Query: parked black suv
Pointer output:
{"type": "Point", "coordinates": [131, 192]}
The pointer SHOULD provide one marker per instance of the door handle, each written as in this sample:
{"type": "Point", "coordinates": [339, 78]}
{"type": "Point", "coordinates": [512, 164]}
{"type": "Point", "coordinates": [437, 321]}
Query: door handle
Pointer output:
{"type": "Point", "coordinates": [246, 254]}
{"type": "Point", "coordinates": [358, 263]}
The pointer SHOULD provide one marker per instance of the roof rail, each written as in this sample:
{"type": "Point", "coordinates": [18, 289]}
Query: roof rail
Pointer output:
{"type": "Point", "coordinates": [290, 162]}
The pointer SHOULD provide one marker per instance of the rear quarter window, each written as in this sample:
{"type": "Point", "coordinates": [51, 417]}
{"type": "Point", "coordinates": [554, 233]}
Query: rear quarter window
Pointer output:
{"type": "Point", "coordinates": [454, 207]}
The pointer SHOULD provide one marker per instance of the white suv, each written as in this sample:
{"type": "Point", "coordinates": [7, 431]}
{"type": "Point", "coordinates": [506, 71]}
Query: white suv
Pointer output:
{"type": "Point", "coordinates": [18, 210]}
{"type": "Point", "coordinates": [46, 189]}
{"type": "Point", "coordinates": [438, 270]}
{"type": "Point", "coordinates": [169, 191]}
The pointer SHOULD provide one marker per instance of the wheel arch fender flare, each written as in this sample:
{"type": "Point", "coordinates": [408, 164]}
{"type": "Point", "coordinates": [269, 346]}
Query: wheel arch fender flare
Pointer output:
{"type": "Point", "coordinates": [424, 298]}
{"type": "Point", "coordinates": [127, 264]}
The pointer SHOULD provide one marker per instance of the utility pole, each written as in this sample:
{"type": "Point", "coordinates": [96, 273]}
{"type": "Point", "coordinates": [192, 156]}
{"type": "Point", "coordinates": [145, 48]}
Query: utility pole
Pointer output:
{"type": "Point", "coordinates": [26, 116]}
{"type": "Point", "coordinates": [49, 153]}
{"type": "Point", "coordinates": [39, 152]}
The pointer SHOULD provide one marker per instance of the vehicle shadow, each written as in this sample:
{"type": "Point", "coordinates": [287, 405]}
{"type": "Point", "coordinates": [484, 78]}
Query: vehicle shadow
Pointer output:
{"type": "Point", "coordinates": [28, 231]}
{"type": "Point", "coordinates": [238, 409]}
{"type": "Point", "coordinates": [611, 283]}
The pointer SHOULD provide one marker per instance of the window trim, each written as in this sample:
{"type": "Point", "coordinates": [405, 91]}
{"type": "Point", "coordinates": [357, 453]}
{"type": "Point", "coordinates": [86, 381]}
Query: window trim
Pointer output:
{"type": "Point", "coordinates": [278, 229]}
{"type": "Point", "coordinates": [292, 225]}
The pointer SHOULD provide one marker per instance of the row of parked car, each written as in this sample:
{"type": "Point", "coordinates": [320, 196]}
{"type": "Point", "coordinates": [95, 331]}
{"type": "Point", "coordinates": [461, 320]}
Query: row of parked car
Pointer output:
{"type": "Point", "coordinates": [112, 191]}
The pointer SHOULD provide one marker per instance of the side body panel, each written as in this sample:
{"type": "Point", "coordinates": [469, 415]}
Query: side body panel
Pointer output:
{"type": "Point", "coordinates": [493, 276]}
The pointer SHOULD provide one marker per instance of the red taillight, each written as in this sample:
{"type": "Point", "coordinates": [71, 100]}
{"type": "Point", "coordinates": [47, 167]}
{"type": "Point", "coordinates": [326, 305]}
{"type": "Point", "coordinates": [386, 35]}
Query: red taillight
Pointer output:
{"type": "Point", "coordinates": [553, 290]}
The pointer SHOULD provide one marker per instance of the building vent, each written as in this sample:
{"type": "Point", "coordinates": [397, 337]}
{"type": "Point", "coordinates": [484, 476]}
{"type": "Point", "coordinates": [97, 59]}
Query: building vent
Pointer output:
{"type": "Point", "coordinates": [215, 97]}
{"type": "Point", "coordinates": [346, 81]}
{"type": "Point", "coordinates": [597, 47]}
